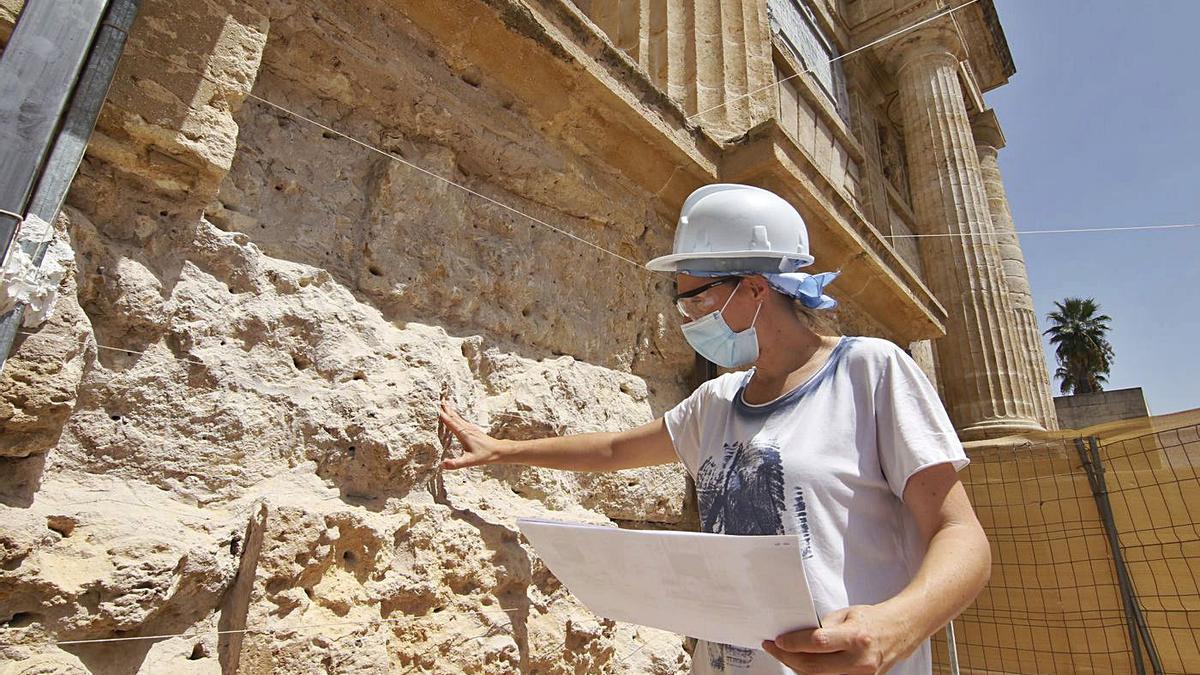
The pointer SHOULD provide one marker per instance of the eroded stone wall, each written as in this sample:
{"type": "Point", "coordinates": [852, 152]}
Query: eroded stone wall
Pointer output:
{"type": "Point", "coordinates": [228, 431]}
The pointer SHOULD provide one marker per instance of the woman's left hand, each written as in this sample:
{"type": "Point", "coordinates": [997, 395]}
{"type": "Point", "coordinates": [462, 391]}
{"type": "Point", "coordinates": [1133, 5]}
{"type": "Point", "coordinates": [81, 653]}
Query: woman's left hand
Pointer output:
{"type": "Point", "coordinates": [861, 639]}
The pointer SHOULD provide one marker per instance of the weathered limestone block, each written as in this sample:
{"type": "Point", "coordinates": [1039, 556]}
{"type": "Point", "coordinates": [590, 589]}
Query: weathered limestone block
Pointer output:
{"type": "Point", "coordinates": [39, 383]}
{"type": "Point", "coordinates": [188, 67]}
{"type": "Point", "coordinates": [267, 382]}
{"type": "Point", "coordinates": [92, 557]}
{"type": "Point", "coordinates": [421, 249]}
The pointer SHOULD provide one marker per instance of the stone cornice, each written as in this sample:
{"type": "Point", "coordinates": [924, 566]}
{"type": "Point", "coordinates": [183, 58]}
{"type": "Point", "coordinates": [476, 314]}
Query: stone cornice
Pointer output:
{"type": "Point", "coordinates": [989, 56]}
{"type": "Point", "coordinates": [986, 129]}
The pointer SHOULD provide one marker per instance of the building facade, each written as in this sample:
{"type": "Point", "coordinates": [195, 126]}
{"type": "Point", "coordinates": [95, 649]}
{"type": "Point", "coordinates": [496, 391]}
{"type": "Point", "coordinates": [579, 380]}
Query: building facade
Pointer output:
{"type": "Point", "coordinates": [300, 224]}
{"type": "Point", "coordinates": [885, 143]}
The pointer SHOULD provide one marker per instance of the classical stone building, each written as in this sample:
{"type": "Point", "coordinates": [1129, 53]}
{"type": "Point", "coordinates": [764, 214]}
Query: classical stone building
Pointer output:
{"type": "Point", "coordinates": [226, 433]}
{"type": "Point", "coordinates": [891, 141]}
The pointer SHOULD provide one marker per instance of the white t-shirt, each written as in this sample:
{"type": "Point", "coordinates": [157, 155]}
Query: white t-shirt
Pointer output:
{"type": "Point", "coordinates": [827, 461]}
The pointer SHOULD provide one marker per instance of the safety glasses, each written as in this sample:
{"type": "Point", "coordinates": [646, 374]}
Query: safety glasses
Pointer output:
{"type": "Point", "coordinates": [691, 304]}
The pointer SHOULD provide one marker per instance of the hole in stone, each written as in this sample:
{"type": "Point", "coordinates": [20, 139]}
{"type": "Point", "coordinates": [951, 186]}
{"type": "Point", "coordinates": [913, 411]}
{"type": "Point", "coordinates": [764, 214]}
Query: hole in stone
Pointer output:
{"type": "Point", "coordinates": [375, 271]}
{"type": "Point", "coordinates": [309, 593]}
{"type": "Point", "coordinates": [472, 79]}
{"type": "Point", "coordinates": [328, 134]}
{"type": "Point", "coordinates": [279, 188]}
{"type": "Point", "coordinates": [164, 214]}
{"type": "Point", "coordinates": [13, 563]}
{"type": "Point", "coordinates": [198, 652]}
{"type": "Point", "coordinates": [349, 557]}
{"type": "Point", "coordinates": [300, 362]}
{"type": "Point", "coordinates": [351, 450]}
{"type": "Point", "coordinates": [23, 619]}
{"type": "Point", "coordinates": [436, 610]}
{"type": "Point", "coordinates": [361, 377]}
{"type": "Point", "coordinates": [63, 525]}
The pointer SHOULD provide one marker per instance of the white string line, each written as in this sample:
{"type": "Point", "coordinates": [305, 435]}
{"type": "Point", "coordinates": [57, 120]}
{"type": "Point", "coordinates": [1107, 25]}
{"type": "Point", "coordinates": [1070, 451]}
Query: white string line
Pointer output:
{"type": "Point", "coordinates": [513, 210]}
{"type": "Point", "coordinates": [658, 641]}
{"type": "Point", "coordinates": [1076, 230]}
{"type": "Point", "coordinates": [394, 157]}
{"type": "Point", "coordinates": [1079, 230]}
{"type": "Point", "coordinates": [834, 59]}
{"type": "Point", "coordinates": [63, 338]}
{"type": "Point", "coordinates": [445, 180]}
{"type": "Point", "coordinates": [280, 629]}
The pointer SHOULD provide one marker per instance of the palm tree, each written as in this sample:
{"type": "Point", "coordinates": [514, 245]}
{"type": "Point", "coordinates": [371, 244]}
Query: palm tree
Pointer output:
{"type": "Point", "coordinates": [1079, 335]}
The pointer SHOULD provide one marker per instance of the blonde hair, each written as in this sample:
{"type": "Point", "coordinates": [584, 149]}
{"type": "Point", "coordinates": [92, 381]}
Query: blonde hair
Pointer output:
{"type": "Point", "coordinates": [820, 321]}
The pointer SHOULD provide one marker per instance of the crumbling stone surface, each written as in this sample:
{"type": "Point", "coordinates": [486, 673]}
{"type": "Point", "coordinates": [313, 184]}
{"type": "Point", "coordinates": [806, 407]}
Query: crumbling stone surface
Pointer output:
{"type": "Point", "coordinates": [225, 439]}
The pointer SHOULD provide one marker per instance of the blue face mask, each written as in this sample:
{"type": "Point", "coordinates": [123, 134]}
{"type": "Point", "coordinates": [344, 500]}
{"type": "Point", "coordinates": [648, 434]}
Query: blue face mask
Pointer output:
{"type": "Point", "coordinates": [713, 339]}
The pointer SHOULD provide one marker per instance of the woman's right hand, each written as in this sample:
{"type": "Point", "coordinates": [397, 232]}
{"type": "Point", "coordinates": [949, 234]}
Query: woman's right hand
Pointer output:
{"type": "Point", "coordinates": [478, 447]}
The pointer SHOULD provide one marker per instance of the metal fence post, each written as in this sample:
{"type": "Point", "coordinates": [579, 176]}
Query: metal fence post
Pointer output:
{"type": "Point", "coordinates": [952, 648]}
{"type": "Point", "coordinates": [1139, 633]}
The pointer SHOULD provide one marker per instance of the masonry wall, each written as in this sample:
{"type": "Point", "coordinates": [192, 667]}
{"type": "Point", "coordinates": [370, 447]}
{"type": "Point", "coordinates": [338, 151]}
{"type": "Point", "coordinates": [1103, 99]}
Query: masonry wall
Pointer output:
{"type": "Point", "coordinates": [1084, 410]}
{"type": "Point", "coordinates": [230, 422]}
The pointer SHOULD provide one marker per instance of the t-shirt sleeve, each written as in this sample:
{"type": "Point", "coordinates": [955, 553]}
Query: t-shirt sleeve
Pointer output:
{"type": "Point", "coordinates": [914, 431]}
{"type": "Point", "coordinates": [683, 424]}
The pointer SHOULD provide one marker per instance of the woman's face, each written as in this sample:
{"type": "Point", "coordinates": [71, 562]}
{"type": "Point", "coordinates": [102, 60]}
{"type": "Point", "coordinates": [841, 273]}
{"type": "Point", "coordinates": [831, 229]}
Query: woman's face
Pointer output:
{"type": "Point", "coordinates": [700, 296]}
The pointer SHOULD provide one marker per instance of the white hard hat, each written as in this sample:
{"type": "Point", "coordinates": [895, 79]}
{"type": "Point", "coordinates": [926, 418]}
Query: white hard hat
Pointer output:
{"type": "Point", "coordinates": [725, 227]}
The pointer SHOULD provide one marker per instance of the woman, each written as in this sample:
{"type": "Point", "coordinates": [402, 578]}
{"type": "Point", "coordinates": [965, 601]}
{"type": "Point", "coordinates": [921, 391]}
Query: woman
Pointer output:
{"type": "Point", "coordinates": [840, 440]}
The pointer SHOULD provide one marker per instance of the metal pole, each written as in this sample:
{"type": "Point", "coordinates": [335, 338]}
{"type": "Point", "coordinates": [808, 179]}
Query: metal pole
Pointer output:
{"type": "Point", "coordinates": [37, 73]}
{"type": "Point", "coordinates": [1119, 558]}
{"type": "Point", "coordinates": [69, 146]}
{"type": "Point", "coordinates": [1090, 456]}
{"type": "Point", "coordinates": [952, 648]}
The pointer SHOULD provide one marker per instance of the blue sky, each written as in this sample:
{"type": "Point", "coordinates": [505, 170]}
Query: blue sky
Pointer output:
{"type": "Point", "coordinates": [1102, 120]}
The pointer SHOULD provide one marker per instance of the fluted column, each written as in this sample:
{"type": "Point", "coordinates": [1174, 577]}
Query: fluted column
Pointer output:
{"type": "Point", "coordinates": [988, 140]}
{"type": "Point", "coordinates": [978, 358]}
{"type": "Point", "coordinates": [710, 56]}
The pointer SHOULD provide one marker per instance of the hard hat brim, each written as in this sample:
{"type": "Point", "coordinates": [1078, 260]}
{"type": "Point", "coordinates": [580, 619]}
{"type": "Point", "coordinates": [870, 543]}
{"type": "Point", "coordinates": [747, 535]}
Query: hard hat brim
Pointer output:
{"type": "Point", "coordinates": [670, 263]}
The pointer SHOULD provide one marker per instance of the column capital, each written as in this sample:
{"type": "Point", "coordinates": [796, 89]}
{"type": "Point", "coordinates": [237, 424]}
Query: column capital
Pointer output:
{"type": "Point", "coordinates": [986, 129]}
{"type": "Point", "coordinates": [933, 41]}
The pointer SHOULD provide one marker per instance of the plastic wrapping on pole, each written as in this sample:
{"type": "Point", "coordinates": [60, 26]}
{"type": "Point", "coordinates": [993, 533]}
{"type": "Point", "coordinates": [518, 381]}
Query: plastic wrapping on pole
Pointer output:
{"type": "Point", "coordinates": [71, 142]}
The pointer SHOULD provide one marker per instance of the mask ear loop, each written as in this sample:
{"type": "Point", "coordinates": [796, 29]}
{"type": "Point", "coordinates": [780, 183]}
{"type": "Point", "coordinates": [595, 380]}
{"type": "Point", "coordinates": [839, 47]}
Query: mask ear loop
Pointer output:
{"type": "Point", "coordinates": [755, 319]}
{"type": "Point", "coordinates": [727, 300]}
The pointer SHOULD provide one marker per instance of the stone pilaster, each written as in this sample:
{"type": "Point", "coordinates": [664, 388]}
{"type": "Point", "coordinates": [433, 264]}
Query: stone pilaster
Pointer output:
{"type": "Point", "coordinates": [988, 140]}
{"type": "Point", "coordinates": [979, 357]}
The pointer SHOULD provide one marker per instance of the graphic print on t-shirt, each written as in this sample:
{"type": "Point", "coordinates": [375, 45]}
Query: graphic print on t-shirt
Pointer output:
{"type": "Point", "coordinates": [743, 494]}
{"type": "Point", "coordinates": [806, 550]}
